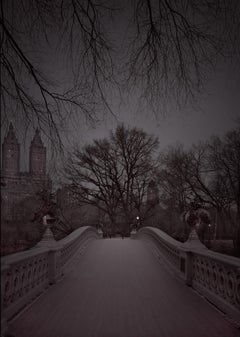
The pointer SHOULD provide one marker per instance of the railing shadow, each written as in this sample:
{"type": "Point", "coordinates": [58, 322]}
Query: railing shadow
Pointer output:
{"type": "Point", "coordinates": [216, 276]}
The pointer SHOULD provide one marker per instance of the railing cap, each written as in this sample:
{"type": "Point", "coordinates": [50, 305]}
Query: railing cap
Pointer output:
{"type": "Point", "coordinates": [75, 234]}
{"type": "Point", "coordinates": [38, 250]}
{"type": "Point", "coordinates": [21, 256]}
{"type": "Point", "coordinates": [194, 249]}
{"type": "Point", "coordinates": [174, 243]}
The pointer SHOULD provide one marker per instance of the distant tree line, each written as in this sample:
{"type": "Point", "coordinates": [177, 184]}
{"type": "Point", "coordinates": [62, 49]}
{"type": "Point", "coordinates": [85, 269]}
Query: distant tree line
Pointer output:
{"type": "Point", "coordinates": [209, 174]}
{"type": "Point", "coordinates": [115, 172]}
{"type": "Point", "coordinates": [109, 180]}
{"type": "Point", "coordinates": [26, 228]}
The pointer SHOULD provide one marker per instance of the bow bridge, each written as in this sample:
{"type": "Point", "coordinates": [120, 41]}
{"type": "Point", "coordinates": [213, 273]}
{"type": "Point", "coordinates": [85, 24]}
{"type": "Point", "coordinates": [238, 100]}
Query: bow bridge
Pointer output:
{"type": "Point", "coordinates": [144, 286]}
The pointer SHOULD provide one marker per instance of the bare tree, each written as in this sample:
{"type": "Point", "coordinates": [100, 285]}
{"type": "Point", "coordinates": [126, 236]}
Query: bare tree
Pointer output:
{"type": "Point", "coordinates": [174, 190]}
{"type": "Point", "coordinates": [115, 172]}
{"type": "Point", "coordinates": [208, 173]}
{"type": "Point", "coordinates": [225, 159]}
{"type": "Point", "coordinates": [195, 177]}
{"type": "Point", "coordinates": [39, 31]}
{"type": "Point", "coordinates": [135, 151]}
{"type": "Point", "coordinates": [176, 44]}
{"type": "Point", "coordinates": [93, 171]}
{"type": "Point", "coordinates": [201, 178]}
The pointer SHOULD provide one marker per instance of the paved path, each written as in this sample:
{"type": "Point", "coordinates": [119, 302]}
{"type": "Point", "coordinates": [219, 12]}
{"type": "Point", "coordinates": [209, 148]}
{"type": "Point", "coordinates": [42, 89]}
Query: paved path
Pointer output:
{"type": "Point", "coordinates": [118, 289]}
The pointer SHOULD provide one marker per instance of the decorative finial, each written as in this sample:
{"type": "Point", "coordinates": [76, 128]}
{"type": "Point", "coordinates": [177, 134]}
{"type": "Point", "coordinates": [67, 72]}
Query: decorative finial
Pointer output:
{"type": "Point", "coordinates": [37, 141]}
{"type": "Point", "coordinates": [10, 135]}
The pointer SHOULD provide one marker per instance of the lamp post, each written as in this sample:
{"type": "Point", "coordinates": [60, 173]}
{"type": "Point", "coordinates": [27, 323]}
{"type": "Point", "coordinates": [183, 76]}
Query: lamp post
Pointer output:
{"type": "Point", "coordinates": [209, 236]}
{"type": "Point", "coordinates": [138, 221]}
{"type": "Point", "coordinates": [48, 239]}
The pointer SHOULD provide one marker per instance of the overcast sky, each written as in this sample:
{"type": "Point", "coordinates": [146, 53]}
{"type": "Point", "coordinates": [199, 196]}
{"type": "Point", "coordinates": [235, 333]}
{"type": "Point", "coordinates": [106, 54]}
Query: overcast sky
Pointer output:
{"type": "Point", "coordinates": [217, 111]}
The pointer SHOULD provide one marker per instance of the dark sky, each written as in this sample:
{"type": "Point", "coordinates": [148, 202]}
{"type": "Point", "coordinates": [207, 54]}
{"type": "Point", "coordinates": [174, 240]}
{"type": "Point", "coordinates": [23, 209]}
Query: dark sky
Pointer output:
{"type": "Point", "coordinates": [217, 110]}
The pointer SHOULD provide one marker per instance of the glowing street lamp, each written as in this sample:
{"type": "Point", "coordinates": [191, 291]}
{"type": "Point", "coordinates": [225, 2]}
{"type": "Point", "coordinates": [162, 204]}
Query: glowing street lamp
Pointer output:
{"type": "Point", "coordinates": [138, 221]}
{"type": "Point", "coordinates": [209, 235]}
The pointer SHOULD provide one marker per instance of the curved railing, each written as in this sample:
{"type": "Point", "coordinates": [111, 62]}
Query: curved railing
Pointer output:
{"type": "Point", "coordinates": [71, 243]}
{"type": "Point", "coordinates": [27, 274]}
{"type": "Point", "coordinates": [214, 275]}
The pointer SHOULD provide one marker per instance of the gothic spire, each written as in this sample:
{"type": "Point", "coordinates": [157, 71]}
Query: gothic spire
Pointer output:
{"type": "Point", "coordinates": [37, 141]}
{"type": "Point", "coordinates": [10, 138]}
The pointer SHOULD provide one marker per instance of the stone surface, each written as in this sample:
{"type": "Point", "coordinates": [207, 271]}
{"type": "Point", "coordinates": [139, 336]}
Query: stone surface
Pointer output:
{"type": "Point", "coordinates": [48, 240]}
{"type": "Point", "coordinates": [193, 241]}
{"type": "Point", "coordinates": [118, 289]}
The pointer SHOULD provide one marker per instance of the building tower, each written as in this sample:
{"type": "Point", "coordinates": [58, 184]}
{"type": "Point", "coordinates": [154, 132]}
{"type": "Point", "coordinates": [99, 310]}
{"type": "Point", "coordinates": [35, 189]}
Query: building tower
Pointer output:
{"type": "Point", "coordinates": [10, 154]}
{"type": "Point", "coordinates": [37, 156]}
{"type": "Point", "coordinates": [152, 193]}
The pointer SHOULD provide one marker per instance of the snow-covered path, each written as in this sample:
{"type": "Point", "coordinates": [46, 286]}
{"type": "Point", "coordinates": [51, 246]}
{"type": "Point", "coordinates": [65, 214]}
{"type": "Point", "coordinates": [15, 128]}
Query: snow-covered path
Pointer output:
{"type": "Point", "coordinates": [117, 288]}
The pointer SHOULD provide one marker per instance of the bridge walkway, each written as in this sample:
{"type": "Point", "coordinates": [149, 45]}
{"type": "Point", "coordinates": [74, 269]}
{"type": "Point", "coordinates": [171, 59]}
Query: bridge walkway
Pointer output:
{"type": "Point", "coordinates": [119, 289]}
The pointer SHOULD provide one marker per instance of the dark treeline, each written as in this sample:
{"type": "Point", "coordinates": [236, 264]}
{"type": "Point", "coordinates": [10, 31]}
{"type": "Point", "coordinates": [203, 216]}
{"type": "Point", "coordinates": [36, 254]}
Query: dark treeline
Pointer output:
{"type": "Point", "coordinates": [207, 174]}
{"type": "Point", "coordinates": [121, 176]}
{"type": "Point", "coordinates": [122, 182]}
{"type": "Point", "coordinates": [113, 175]}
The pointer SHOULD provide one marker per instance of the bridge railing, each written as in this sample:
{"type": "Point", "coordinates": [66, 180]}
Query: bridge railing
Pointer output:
{"type": "Point", "coordinates": [216, 276]}
{"type": "Point", "coordinates": [27, 274]}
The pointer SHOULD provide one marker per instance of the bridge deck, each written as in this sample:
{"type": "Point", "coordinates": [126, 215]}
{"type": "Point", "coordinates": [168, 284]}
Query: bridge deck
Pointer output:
{"type": "Point", "coordinates": [119, 289]}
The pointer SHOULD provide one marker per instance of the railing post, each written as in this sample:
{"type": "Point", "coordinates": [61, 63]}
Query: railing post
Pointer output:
{"type": "Point", "coordinates": [48, 240]}
{"type": "Point", "coordinates": [192, 243]}
{"type": "Point", "coordinates": [186, 265]}
{"type": "Point", "coordinates": [4, 327]}
{"type": "Point", "coordinates": [53, 258]}
{"type": "Point", "coordinates": [189, 268]}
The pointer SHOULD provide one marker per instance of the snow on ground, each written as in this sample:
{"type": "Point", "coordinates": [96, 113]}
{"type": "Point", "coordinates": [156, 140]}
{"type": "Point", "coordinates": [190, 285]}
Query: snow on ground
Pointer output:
{"type": "Point", "coordinates": [118, 289]}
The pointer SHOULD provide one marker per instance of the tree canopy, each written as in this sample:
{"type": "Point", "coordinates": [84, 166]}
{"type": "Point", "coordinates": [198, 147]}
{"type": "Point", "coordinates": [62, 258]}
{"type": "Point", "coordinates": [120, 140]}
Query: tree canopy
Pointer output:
{"type": "Point", "coordinates": [63, 56]}
{"type": "Point", "coordinates": [114, 173]}
{"type": "Point", "coordinates": [208, 173]}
